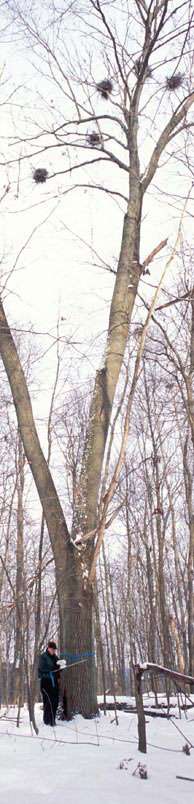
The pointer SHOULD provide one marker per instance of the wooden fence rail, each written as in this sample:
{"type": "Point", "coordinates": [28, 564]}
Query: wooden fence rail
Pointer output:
{"type": "Point", "coordinates": [154, 669]}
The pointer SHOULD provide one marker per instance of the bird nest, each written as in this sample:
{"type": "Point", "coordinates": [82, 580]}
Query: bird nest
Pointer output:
{"type": "Point", "coordinates": [105, 88]}
{"type": "Point", "coordinates": [40, 175]}
{"type": "Point", "coordinates": [174, 81]}
{"type": "Point", "coordinates": [94, 139]}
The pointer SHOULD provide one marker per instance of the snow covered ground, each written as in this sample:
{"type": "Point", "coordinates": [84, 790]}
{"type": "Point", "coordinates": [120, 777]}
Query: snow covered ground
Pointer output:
{"type": "Point", "coordinates": [79, 762]}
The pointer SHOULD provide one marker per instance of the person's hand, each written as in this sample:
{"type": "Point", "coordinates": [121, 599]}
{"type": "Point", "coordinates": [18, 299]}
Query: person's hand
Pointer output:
{"type": "Point", "coordinates": [62, 663]}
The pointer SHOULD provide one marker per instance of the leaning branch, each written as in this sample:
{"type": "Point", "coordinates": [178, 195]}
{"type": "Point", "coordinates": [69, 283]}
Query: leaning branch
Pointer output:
{"type": "Point", "coordinates": [185, 297]}
{"type": "Point", "coordinates": [116, 474]}
{"type": "Point", "coordinates": [53, 512]}
{"type": "Point", "coordinates": [155, 251]}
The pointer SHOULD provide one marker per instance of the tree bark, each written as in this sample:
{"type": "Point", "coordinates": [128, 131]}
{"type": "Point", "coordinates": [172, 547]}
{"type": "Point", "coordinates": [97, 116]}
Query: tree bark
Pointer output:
{"type": "Point", "coordinates": [142, 746]}
{"type": "Point", "coordinates": [18, 677]}
{"type": "Point", "coordinates": [80, 680]}
{"type": "Point", "coordinates": [190, 496]}
{"type": "Point", "coordinates": [124, 294]}
{"type": "Point", "coordinates": [53, 512]}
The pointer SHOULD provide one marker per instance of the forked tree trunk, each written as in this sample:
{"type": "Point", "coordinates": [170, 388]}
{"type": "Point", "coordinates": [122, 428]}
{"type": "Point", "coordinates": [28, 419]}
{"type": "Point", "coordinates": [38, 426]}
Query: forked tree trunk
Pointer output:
{"type": "Point", "coordinates": [79, 603]}
{"type": "Point", "coordinates": [78, 625]}
{"type": "Point", "coordinates": [72, 566]}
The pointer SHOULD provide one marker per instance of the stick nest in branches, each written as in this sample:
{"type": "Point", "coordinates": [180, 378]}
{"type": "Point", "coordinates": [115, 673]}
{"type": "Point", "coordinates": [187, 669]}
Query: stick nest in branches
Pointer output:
{"type": "Point", "coordinates": [94, 139]}
{"type": "Point", "coordinates": [105, 88]}
{"type": "Point", "coordinates": [174, 81]}
{"type": "Point", "coordinates": [40, 175]}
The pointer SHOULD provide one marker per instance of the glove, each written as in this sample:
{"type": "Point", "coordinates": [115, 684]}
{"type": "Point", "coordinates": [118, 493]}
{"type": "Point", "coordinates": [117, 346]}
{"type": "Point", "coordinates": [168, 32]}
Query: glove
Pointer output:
{"type": "Point", "coordinates": [62, 663]}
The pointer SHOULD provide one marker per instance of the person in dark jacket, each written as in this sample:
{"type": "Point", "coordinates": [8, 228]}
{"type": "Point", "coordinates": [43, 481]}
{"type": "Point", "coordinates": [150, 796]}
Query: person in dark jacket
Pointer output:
{"type": "Point", "coordinates": [49, 674]}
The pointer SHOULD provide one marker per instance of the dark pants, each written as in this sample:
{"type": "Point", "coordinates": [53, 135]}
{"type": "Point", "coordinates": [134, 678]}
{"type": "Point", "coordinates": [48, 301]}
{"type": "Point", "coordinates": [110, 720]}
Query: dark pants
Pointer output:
{"type": "Point", "coordinates": [65, 706]}
{"type": "Point", "coordinates": [50, 696]}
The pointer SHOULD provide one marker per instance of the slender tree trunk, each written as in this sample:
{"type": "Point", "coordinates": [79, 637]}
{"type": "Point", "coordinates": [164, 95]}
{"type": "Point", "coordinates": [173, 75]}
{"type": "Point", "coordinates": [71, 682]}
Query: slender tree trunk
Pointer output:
{"type": "Point", "coordinates": [18, 674]}
{"type": "Point", "coordinates": [100, 650]}
{"type": "Point", "coordinates": [190, 397]}
{"type": "Point", "coordinates": [191, 598]}
{"type": "Point", "coordinates": [53, 512]}
{"type": "Point", "coordinates": [37, 624]}
{"type": "Point", "coordinates": [119, 663]}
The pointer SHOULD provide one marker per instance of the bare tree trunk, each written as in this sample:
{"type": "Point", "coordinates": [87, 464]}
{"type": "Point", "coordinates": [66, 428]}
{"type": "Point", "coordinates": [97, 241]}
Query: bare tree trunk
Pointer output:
{"type": "Point", "coordinates": [119, 663]}
{"type": "Point", "coordinates": [191, 598]}
{"type": "Point", "coordinates": [142, 746]}
{"type": "Point", "coordinates": [38, 603]}
{"type": "Point", "coordinates": [190, 391]}
{"type": "Point", "coordinates": [100, 649]}
{"type": "Point", "coordinates": [108, 655]}
{"type": "Point", "coordinates": [38, 595]}
{"type": "Point", "coordinates": [80, 681]}
{"type": "Point", "coordinates": [79, 603]}
{"type": "Point", "coordinates": [53, 512]}
{"type": "Point", "coordinates": [18, 670]}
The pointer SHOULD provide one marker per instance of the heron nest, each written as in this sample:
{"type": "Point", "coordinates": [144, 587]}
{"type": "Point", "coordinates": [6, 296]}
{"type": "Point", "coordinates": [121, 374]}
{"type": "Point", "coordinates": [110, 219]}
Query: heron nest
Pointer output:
{"type": "Point", "coordinates": [105, 88]}
{"type": "Point", "coordinates": [94, 139]}
{"type": "Point", "coordinates": [174, 81]}
{"type": "Point", "coordinates": [40, 175]}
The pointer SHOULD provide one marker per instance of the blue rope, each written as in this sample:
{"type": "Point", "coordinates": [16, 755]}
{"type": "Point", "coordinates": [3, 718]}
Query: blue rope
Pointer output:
{"type": "Point", "coordinates": [52, 678]}
{"type": "Point", "coordinates": [76, 657]}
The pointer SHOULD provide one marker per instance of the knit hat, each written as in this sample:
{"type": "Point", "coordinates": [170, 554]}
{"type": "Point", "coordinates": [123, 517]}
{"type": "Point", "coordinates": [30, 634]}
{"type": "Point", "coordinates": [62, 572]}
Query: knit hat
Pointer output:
{"type": "Point", "coordinates": [52, 644]}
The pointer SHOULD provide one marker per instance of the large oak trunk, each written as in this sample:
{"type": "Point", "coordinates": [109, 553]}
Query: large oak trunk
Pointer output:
{"type": "Point", "coordinates": [80, 679]}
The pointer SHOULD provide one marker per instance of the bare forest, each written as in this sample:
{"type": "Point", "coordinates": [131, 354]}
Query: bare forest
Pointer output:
{"type": "Point", "coordinates": [97, 422]}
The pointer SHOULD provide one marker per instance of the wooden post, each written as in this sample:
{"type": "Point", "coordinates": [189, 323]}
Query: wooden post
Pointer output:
{"type": "Point", "coordinates": [138, 672]}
